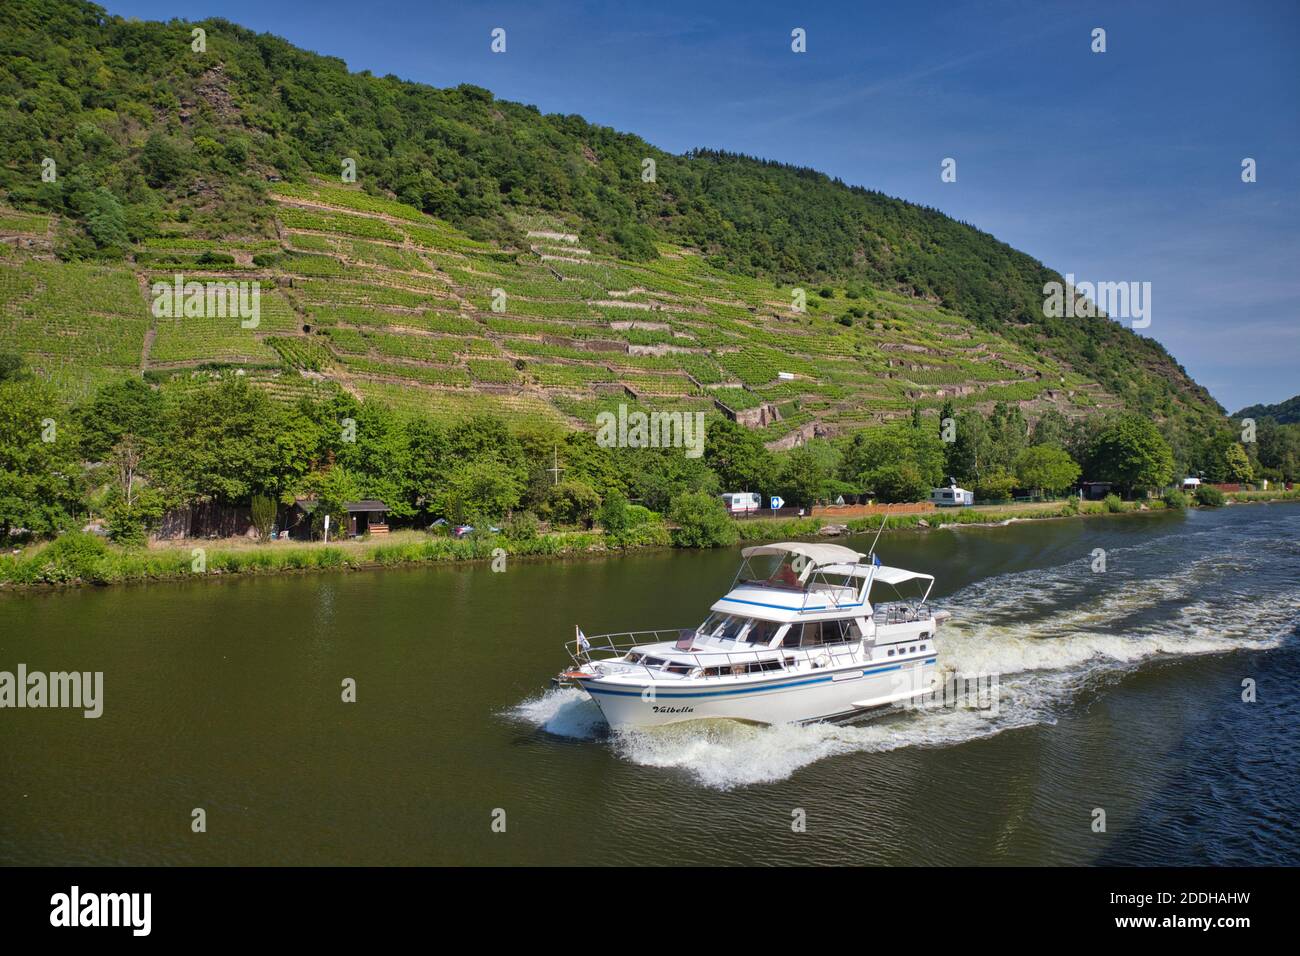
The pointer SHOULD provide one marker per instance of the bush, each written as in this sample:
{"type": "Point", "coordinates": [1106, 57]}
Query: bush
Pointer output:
{"type": "Point", "coordinates": [638, 515]}
{"type": "Point", "coordinates": [1208, 497]}
{"type": "Point", "coordinates": [702, 522]}
{"type": "Point", "coordinates": [650, 534]}
{"type": "Point", "coordinates": [521, 526]}
{"type": "Point", "coordinates": [1113, 503]}
{"type": "Point", "coordinates": [612, 515]}
{"type": "Point", "coordinates": [572, 502]}
{"type": "Point", "coordinates": [263, 511]}
{"type": "Point", "coordinates": [1174, 499]}
{"type": "Point", "coordinates": [74, 555]}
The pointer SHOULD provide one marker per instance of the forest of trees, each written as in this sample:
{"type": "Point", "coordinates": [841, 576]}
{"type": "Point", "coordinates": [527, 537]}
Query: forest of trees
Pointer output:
{"type": "Point", "coordinates": [143, 128]}
{"type": "Point", "coordinates": [133, 451]}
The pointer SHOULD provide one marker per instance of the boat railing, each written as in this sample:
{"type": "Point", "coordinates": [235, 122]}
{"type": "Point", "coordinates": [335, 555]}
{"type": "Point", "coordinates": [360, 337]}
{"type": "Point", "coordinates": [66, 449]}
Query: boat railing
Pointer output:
{"type": "Point", "coordinates": [698, 662]}
{"type": "Point", "coordinates": [900, 613]}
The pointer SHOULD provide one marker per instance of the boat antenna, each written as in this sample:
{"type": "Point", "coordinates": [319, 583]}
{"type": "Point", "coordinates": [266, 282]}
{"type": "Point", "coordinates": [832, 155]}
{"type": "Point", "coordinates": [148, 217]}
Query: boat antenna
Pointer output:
{"type": "Point", "coordinates": [883, 519]}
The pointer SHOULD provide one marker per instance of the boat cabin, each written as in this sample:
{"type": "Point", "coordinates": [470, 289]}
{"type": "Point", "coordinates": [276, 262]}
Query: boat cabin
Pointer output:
{"type": "Point", "coordinates": [799, 595]}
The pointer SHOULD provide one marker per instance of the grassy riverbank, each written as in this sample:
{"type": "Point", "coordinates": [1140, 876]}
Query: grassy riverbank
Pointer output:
{"type": "Point", "coordinates": [80, 559]}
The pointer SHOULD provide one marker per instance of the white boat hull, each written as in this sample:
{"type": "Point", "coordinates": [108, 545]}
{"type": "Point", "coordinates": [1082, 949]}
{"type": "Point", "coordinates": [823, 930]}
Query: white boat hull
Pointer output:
{"type": "Point", "coordinates": [791, 697]}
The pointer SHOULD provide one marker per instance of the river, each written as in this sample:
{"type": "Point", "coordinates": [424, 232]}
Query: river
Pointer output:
{"type": "Point", "coordinates": [1120, 691]}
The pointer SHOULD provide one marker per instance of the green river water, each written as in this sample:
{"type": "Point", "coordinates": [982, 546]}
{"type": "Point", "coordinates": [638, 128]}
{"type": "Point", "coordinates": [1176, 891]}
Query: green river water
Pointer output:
{"type": "Point", "coordinates": [1119, 690]}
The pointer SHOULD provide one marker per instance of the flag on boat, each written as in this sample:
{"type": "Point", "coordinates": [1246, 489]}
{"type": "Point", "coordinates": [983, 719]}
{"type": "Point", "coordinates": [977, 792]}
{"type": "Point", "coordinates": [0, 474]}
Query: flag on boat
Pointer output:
{"type": "Point", "coordinates": [582, 638]}
{"type": "Point", "coordinates": [875, 559]}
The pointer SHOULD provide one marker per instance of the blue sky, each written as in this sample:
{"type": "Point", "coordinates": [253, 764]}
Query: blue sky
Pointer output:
{"type": "Point", "coordinates": [1118, 166]}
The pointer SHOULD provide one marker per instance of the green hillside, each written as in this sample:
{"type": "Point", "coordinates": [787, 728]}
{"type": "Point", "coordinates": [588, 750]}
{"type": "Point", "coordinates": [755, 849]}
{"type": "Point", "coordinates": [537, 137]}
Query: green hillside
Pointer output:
{"type": "Point", "coordinates": [396, 307]}
{"type": "Point", "coordinates": [675, 292]}
{"type": "Point", "coordinates": [1284, 413]}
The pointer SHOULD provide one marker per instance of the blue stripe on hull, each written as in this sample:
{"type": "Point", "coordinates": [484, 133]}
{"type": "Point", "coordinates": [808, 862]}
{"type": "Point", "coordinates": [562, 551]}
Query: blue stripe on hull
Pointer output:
{"type": "Point", "coordinates": [661, 695]}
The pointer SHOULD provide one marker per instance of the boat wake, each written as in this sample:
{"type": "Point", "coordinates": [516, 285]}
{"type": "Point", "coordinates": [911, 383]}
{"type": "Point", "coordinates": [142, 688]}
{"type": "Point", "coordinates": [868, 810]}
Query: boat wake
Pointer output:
{"type": "Point", "coordinates": [1048, 634]}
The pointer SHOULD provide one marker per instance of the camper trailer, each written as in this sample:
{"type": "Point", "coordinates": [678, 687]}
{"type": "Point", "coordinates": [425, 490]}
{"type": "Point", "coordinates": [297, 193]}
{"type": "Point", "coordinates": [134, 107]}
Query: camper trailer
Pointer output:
{"type": "Point", "coordinates": [952, 496]}
{"type": "Point", "coordinates": [742, 502]}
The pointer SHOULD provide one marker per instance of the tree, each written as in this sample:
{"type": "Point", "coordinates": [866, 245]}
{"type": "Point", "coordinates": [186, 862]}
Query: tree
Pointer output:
{"type": "Point", "coordinates": [105, 218]}
{"type": "Point", "coordinates": [380, 457]}
{"type": "Point", "coordinates": [808, 472]}
{"type": "Point", "coordinates": [971, 451]}
{"type": "Point", "coordinates": [11, 366]}
{"type": "Point", "coordinates": [224, 443]}
{"type": "Point", "coordinates": [1007, 433]}
{"type": "Point", "coordinates": [613, 515]}
{"type": "Point", "coordinates": [1052, 428]}
{"type": "Point", "coordinates": [897, 482]}
{"type": "Point", "coordinates": [263, 510]}
{"type": "Point", "coordinates": [949, 411]}
{"type": "Point", "coordinates": [572, 502]}
{"type": "Point", "coordinates": [162, 162]}
{"type": "Point", "coordinates": [1046, 468]}
{"type": "Point", "coordinates": [905, 461]}
{"type": "Point", "coordinates": [127, 407]}
{"type": "Point", "coordinates": [482, 489]}
{"type": "Point", "coordinates": [663, 475]}
{"type": "Point", "coordinates": [1236, 464]}
{"type": "Point", "coordinates": [40, 469]}
{"type": "Point", "coordinates": [996, 484]}
{"type": "Point", "coordinates": [739, 458]}
{"type": "Point", "coordinates": [1130, 451]}
{"type": "Point", "coordinates": [702, 522]}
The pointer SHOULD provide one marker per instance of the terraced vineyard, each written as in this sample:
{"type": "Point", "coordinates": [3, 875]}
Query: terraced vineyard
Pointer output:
{"type": "Point", "coordinates": [369, 295]}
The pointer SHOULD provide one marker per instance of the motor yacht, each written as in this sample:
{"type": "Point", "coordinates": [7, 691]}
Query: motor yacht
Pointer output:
{"type": "Point", "coordinates": [801, 636]}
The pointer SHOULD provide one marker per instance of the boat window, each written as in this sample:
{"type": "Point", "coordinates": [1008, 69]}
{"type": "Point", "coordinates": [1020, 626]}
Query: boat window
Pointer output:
{"type": "Point", "coordinates": [679, 667]}
{"type": "Point", "coordinates": [891, 652]}
{"type": "Point", "coordinates": [821, 632]}
{"type": "Point", "coordinates": [731, 630]}
{"type": "Point", "coordinates": [711, 624]}
{"type": "Point", "coordinates": [762, 632]}
{"type": "Point", "coordinates": [738, 669]}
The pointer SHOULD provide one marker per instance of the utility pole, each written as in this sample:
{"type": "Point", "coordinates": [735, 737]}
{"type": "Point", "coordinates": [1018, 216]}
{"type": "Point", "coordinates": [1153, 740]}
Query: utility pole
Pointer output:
{"type": "Point", "coordinates": [556, 469]}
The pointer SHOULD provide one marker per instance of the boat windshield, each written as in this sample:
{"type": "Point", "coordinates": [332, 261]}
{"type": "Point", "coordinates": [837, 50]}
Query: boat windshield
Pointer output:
{"type": "Point", "coordinates": [744, 630]}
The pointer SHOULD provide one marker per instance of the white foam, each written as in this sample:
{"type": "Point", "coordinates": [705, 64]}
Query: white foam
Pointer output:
{"type": "Point", "coordinates": [725, 754]}
{"type": "Point", "coordinates": [565, 712]}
